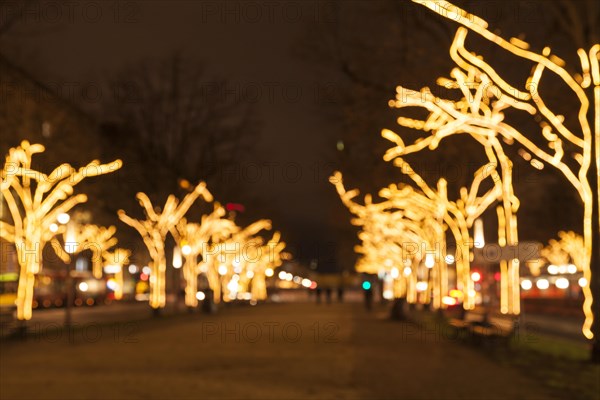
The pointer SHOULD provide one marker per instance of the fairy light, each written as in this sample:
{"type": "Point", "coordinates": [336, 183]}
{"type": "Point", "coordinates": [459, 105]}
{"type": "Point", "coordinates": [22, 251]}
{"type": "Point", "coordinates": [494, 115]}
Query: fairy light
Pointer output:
{"type": "Point", "coordinates": [568, 250]}
{"type": "Point", "coordinates": [389, 231]}
{"type": "Point", "coordinates": [458, 215]}
{"type": "Point", "coordinates": [80, 236]}
{"type": "Point", "coordinates": [118, 257]}
{"type": "Point", "coordinates": [478, 234]}
{"type": "Point", "coordinates": [490, 95]}
{"type": "Point", "coordinates": [154, 230]}
{"type": "Point", "coordinates": [36, 202]}
{"type": "Point", "coordinates": [193, 239]}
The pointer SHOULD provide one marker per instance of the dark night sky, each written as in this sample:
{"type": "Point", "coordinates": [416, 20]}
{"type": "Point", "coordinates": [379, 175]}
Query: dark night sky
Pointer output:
{"type": "Point", "coordinates": [256, 46]}
{"type": "Point", "coordinates": [255, 52]}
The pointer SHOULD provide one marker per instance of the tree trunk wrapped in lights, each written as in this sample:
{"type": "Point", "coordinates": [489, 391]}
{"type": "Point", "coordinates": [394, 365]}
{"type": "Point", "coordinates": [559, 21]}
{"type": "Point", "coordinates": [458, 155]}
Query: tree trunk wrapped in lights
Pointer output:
{"type": "Point", "coordinates": [429, 203]}
{"type": "Point", "coordinates": [395, 233]}
{"type": "Point", "coordinates": [154, 230]}
{"type": "Point", "coordinates": [35, 208]}
{"type": "Point", "coordinates": [79, 236]}
{"type": "Point", "coordinates": [194, 240]}
{"type": "Point", "coordinates": [483, 111]}
{"type": "Point", "coordinates": [269, 256]}
{"type": "Point", "coordinates": [223, 257]}
{"type": "Point", "coordinates": [117, 257]}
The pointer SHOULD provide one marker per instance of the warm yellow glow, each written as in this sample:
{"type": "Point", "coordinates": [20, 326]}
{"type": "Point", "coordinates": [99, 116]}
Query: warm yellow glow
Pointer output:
{"type": "Point", "coordinates": [195, 239]}
{"type": "Point", "coordinates": [177, 261]}
{"type": "Point", "coordinates": [63, 218]}
{"type": "Point", "coordinates": [568, 251]}
{"type": "Point", "coordinates": [478, 234]}
{"type": "Point", "coordinates": [154, 230]}
{"type": "Point", "coordinates": [35, 201]}
{"type": "Point", "coordinates": [186, 249]}
{"type": "Point", "coordinates": [429, 260]}
{"type": "Point", "coordinates": [79, 236]}
{"type": "Point", "coordinates": [118, 257]}
{"type": "Point", "coordinates": [582, 282]}
{"type": "Point", "coordinates": [480, 113]}
{"type": "Point", "coordinates": [542, 284]}
{"type": "Point", "coordinates": [526, 284]}
{"type": "Point", "coordinates": [562, 283]}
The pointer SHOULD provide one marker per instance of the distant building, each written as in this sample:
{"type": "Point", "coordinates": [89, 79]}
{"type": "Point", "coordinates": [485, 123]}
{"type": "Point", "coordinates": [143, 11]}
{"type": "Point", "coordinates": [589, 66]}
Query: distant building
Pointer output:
{"type": "Point", "coordinates": [32, 110]}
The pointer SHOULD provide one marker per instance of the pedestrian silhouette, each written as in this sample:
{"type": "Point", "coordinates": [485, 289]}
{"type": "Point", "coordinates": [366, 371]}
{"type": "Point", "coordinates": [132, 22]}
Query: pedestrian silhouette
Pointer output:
{"type": "Point", "coordinates": [368, 298]}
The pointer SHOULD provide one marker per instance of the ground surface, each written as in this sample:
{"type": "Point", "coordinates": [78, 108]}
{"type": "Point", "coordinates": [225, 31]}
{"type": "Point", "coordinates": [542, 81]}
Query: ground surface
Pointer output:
{"type": "Point", "coordinates": [279, 351]}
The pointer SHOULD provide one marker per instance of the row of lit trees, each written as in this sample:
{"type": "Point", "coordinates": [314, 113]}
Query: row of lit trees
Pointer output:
{"type": "Point", "coordinates": [235, 260]}
{"type": "Point", "coordinates": [36, 202]}
{"type": "Point", "coordinates": [487, 103]}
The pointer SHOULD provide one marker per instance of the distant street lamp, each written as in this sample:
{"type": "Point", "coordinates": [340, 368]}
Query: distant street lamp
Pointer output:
{"type": "Point", "coordinates": [478, 236]}
{"type": "Point", "coordinates": [177, 262]}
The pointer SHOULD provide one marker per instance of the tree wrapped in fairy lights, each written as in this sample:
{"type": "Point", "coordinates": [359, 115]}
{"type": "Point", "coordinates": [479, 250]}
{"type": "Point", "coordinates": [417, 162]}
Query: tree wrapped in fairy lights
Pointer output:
{"type": "Point", "coordinates": [423, 212]}
{"type": "Point", "coordinates": [117, 258]}
{"type": "Point", "coordinates": [394, 234]}
{"type": "Point", "coordinates": [194, 240]}
{"type": "Point", "coordinates": [34, 201]}
{"type": "Point", "coordinates": [154, 230]}
{"type": "Point", "coordinates": [570, 146]}
{"type": "Point", "coordinates": [223, 260]}
{"type": "Point", "coordinates": [568, 249]}
{"type": "Point", "coordinates": [79, 236]}
{"type": "Point", "coordinates": [267, 256]}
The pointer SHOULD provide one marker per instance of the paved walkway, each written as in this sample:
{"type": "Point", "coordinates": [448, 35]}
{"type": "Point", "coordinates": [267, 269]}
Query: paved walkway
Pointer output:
{"type": "Point", "coordinates": [278, 351]}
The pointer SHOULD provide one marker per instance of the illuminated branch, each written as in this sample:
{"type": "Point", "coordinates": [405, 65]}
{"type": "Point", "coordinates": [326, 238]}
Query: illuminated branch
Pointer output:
{"type": "Point", "coordinates": [154, 230]}
{"type": "Point", "coordinates": [222, 259]}
{"type": "Point", "coordinates": [34, 201]}
{"type": "Point", "coordinates": [396, 232]}
{"type": "Point", "coordinates": [570, 248]}
{"type": "Point", "coordinates": [480, 113]}
{"type": "Point", "coordinates": [118, 257]}
{"type": "Point", "coordinates": [193, 239]}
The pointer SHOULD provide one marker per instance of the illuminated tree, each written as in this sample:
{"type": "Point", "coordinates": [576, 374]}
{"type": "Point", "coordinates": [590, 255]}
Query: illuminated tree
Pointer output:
{"type": "Point", "coordinates": [34, 201]}
{"type": "Point", "coordinates": [154, 230]}
{"type": "Point", "coordinates": [568, 249]}
{"type": "Point", "coordinates": [194, 239]}
{"type": "Point", "coordinates": [397, 234]}
{"type": "Point", "coordinates": [79, 236]}
{"type": "Point", "coordinates": [117, 258]}
{"type": "Point", "coordinates": [483, 109]}
{"type": "Point", "coordinates": [268, 256]}
{"type": "Point", "coordinates": [434, 208]}
{"type": "Point", "coordinates": [225, 259]}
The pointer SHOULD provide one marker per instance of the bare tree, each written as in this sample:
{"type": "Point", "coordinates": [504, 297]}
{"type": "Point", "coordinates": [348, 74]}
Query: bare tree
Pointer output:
{"type": "Point", "coordinates": [184, 123]}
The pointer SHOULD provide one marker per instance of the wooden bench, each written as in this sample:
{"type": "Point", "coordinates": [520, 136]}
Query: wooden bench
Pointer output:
{"type": "Point", "coordinates": [469, 319]}
{"type": "Point", "coordinates": [496, 329]}
{"type": "Point", "coordinates": [481, 328]}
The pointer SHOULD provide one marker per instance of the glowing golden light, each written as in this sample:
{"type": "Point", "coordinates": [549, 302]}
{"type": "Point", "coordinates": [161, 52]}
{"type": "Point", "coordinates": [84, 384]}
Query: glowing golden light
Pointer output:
{"type": "Point", "coordinates": [36, 201]}
{"type": "Point", "coordinates": [118, 257]}
{"type": "Point", "coordinates": [177, 261]}
{"type": "Point", "coordinates": [480, 113]}
{"type": "Point", "coordinates": [154, 230]}
{"type": "Point", "coordinates": [195, 240]}
{"type": "Point", "coordinates": [478, 234]}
